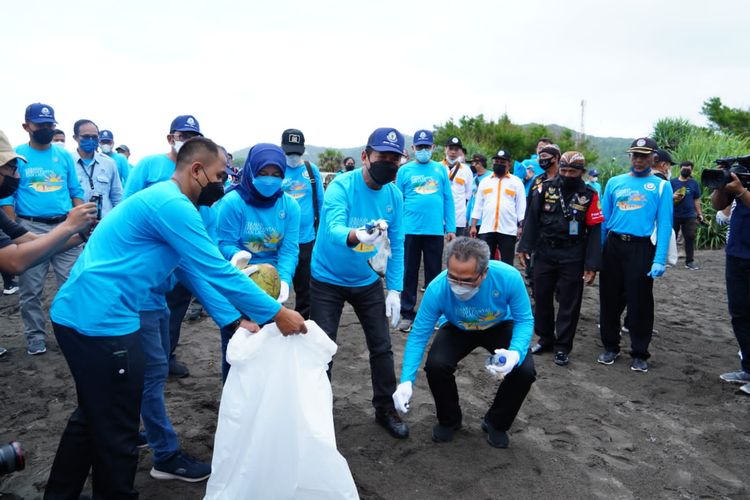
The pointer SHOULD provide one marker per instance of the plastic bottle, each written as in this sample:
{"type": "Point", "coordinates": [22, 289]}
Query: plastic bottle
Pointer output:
{"type": "Point", "coordinates": [496, 359]}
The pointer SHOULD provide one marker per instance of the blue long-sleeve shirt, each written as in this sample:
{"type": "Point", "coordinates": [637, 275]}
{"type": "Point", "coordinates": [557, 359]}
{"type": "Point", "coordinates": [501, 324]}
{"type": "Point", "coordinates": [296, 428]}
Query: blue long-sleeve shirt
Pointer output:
{"type": "Point", "coordinates": [134, 250]}
{"type": "Point", "coordinates": [502, 296]}
{"type": "Point", "coordinates": [148, 171]}
{"type": "Point", "coordinates": [428, 199]}
{"type": "Point", "coordinates": [271, 234]}
{"type": "Point", "coordinates": [297, 185]}
{"type": "Point", "coordinates": [48, 183]}
{"type": "Point", "coordinates": [350, 204]}
{"type": "Point", "coordinates": [634, 205]}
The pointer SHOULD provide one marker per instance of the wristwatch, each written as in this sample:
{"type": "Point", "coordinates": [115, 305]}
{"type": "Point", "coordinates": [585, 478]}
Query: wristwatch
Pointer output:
{"type": "Point", "coordinates": [234, 325]}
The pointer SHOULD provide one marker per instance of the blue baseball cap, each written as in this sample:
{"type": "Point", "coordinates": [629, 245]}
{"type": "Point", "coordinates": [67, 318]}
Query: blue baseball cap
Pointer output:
{"type": "Point", "coordinates": [40, 113]}
{"type": "Point", "coordinates": [386, 140]}
{"type": "Point", "coordinates": [106, 135]}
{"type": "Point", "coordinates": [185, 123]}
{"type": "Point", "coordinates": [423, 138]}
{"type": "Point", "coordinates": [593, 173]}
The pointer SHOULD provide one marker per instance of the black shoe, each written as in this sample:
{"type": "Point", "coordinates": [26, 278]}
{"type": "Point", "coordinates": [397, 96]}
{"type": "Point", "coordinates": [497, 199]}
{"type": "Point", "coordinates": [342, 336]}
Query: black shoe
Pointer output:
{"type": "Point", "coordinates": [607, 357]}
{"type": "Point", "coordinates": [639, 365]}
{"type": "Point", "coordinates": [561, 358]}
{"type": "Point", "coordinates": [390, 420]}
{"type": "Point", "coordinates": [539, 348]}
{"type": "Point", "coordinates": [496, 438]}
{"type": "Point", "coordinates": [183, 467]}
{"type": "Point", "coordinates": [178, 370]}
{"type": "Point", "coordinates": [444, 433]}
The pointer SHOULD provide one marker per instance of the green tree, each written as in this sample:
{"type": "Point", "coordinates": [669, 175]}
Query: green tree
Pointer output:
{"type": "Point", "coordinates": [239, 162]}
{"type": "Point", "coordinates": [729, 120]}
{"type": "Point", "coordinates": [670, 132]}
{"type": "Point", "coordinates": [330, 160]}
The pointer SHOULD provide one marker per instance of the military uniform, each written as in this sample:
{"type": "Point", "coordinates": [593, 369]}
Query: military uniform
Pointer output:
{"type": "Point", "coordinates": [562, 229]}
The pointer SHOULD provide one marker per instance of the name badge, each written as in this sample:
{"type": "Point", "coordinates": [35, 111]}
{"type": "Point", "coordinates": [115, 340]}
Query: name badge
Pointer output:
{"type": "Point", "coordinates": [573, 228]}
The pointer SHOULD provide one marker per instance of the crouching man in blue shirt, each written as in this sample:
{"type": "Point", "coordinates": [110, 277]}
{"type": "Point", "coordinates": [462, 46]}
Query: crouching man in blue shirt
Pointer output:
{"type": "Point", "coordinates": [154, 231]}
{"type": "Point", "coordinates": [480, 303]}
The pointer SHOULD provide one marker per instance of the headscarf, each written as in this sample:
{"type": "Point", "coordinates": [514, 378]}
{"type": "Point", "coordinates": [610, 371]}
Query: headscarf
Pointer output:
{"type": "Point", "coordinates": [260, 156]}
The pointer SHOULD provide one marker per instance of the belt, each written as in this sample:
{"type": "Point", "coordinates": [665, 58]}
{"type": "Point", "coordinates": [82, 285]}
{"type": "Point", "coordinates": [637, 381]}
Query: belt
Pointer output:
{"type": "Point", "coordinates": [45, 220]}
{"type": "Point", "coordinates": [628, 237]}
{"type": "Point", "coordinates": [562, 243]}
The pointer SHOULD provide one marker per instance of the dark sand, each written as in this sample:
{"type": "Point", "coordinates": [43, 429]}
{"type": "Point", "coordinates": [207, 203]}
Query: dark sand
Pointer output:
{"type": "Point", "coordinates": [585, 431]}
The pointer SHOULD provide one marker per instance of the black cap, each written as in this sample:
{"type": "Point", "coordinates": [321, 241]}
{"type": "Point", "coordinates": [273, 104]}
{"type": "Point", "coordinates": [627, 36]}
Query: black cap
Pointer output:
{"type": "Point", "coordinates": [454, 141]}
{"type": "Point", "coordinates": [502, 155]}
{"type": "Point", "coordinates": [663, 155]}
{"type": "Point", "coordinates": [480, 158]}
{"type": "Point", "coordinates": [643, 145]}
{"type": "Point", "coordinates": [293, 141]}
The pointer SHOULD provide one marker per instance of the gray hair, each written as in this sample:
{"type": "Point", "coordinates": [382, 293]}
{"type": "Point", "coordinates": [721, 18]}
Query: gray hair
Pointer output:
{"type": "Point", "coordinates": [464, 249]}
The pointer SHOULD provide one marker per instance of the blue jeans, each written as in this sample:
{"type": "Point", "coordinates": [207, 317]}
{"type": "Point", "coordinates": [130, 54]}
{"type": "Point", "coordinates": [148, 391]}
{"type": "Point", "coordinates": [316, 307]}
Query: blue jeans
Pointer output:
{"type": "Point", "coordinates": [154, 335]}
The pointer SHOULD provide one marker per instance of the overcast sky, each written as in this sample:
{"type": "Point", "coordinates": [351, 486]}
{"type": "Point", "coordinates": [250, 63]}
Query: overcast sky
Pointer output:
{"type": "Point", "coordinates": [338, 69]}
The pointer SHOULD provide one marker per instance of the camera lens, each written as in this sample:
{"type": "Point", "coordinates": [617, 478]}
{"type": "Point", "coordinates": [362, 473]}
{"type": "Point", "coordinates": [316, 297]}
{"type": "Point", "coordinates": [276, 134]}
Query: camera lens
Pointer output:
{"type": "Point", "coordinates": [11, 458]}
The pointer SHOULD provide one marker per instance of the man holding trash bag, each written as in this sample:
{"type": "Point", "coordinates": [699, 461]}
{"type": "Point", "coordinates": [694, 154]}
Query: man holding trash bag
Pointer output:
{"type": "Point", "coordinates": [483, 303]}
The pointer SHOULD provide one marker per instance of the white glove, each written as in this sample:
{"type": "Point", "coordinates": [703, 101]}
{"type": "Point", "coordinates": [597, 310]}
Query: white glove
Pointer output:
{"type": "Point", "coordinates": [402, 396]}
{"type": "Point", "coordinates": [283, 293]}
{"type": "Point", "coordinates": [369, 238]}
{"type": "Point", "coordinates": [511, 360]}
{"type": "Point", "coordinates": [393, 307]}
{"type": "Point", "coordinates": [249, 270]}
{"type": "Point", "coordinates": [241, 258]}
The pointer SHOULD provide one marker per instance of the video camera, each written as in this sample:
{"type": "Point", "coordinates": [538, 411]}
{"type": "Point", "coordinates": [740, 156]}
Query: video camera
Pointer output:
{"type": "Point", "coordinates": [11, 458]}
{"type": "Point", "coordinates": [717, 178]}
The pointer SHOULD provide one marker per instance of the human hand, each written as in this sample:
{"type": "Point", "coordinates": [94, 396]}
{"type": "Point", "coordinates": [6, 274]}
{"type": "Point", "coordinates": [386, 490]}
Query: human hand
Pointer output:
{"type": "Point", "coordinates": [283, 293]}
{"type": "Point", "coordinates": [656, 270]}
{"type": "Point", "coordinates": [473, 231]}
{"type": "Point", "coordinates": [511, 360]}
{"type": "Point", "coordinates": [589, 277]}
{"type": "Point", "coordinates": [80, 218]}
{"type": "Point", "coordinates": [402, 396]}
{"type": "Point", "coordinates": [522, 259]}
{"type": "Point", "coordinates": [369, 237]}
{"type": "Point", "coordinates": [289, 322]}
{"type": "Point", "coordinates": [393, 307]}
{"type": "Point", "coordinates": [450, 236]}
{"type": "Point", "coordinates": [241, 258]}
{"type": "Point", "coordinates": [734, 187]}
{"type": "Point", "coordinates": [250, 326]}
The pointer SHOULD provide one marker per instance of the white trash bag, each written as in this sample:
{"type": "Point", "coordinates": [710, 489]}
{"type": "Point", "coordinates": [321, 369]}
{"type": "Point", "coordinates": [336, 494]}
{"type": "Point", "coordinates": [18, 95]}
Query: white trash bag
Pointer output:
{"type": "Point", "coordinates": [275, 436]}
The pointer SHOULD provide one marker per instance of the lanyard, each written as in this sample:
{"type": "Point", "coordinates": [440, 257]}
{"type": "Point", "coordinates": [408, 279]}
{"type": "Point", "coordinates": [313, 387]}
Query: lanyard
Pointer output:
{"type": "Point", "coordinates": [565, 211]}
{"type": "Point", "coordinates": [89, 175]}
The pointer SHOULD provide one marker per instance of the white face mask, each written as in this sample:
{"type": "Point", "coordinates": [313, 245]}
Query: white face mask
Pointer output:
{"type": "Point", "coordinates": [59, 143]}
{"type": "Point", "coordinates": [293, 160]}
{"type": "Point", "coordinates": [106, 148]}
{"type": "Point", "coordinates": [463, 292]}
{"type": "Point", "coordinates": [177, 145]}
{"type": "Point", "coordinates": [450, 162]}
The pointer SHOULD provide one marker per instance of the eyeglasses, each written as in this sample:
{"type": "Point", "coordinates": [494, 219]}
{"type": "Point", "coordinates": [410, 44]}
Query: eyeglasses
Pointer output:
{"type": "Point", "coordinates": [461, 281]}
{"type": "Point", "coordinates": [89, 136]}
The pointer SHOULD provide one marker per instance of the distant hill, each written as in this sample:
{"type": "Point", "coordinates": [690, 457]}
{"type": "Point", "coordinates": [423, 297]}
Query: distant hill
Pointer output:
{"type": "Point", "coordinates": [608, 148]}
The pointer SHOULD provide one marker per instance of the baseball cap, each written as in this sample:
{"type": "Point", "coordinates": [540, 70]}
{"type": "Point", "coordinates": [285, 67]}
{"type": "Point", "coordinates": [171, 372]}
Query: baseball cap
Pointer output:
{"type": "Point", "coordinates": [423, 138]}
{"type": "Point", "coordinates": [386, 140]}
{"type": "Point", "coordinates": [185, 123]}
{"type": "Point", "coordinates": [552, 149]}
{"type": "Point", "coordinates": [122, 147]}
{"type": "Point", "coordinates": [664, 155]}
{"type": "Point", "coordinates": [40, 113]}
{"type": "Point", "coordinates": [293, 141]}
{"type": "Point", "coordinates": [573, 159]}
{"type": "Point", "coordinates": [480, 158]}
{"type": "Point", "coordinates": [502, 155]}
{"type": "Point", "coordinates": [454, 141]}
{"type": "Point", "coordinates": [593, 172]}
{"type": "Point", "coordinates": [106, 135]}
{"type": "Point", "coordinates": [644, 145]}
{"type": "Point", "coordinates": [6, 151]}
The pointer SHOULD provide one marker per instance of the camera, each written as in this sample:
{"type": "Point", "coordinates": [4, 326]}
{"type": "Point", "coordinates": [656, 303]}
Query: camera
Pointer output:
{"type": "Point", "coordinates": [11, 458]}
{"type": "Point", "coordinates": [717, 178]}
{"type": "Point", "coordinates": [97, 198]}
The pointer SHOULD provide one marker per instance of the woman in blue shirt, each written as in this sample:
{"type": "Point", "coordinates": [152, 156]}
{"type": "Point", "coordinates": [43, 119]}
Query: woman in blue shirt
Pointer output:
{"type": "Point", "coordinates": [257, 219]}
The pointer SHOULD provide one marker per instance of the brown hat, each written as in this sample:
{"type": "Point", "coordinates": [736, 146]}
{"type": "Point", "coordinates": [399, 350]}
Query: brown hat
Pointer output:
{"type": "Point", "coordinates": [6, 152]}
{"type": "Point", "coordinates": [573, 159]}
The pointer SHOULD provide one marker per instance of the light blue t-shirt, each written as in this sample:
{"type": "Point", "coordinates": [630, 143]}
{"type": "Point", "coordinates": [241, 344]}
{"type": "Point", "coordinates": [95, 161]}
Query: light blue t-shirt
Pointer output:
{"type": "Point", "coordinates": [271, 234]}
{"type": "Point", "coordinates": [297, 185]}
{"type": "Point", "coordinates": [595, 186]}
{"type": "Point", "coordinates": [502, 296]}
{"type": "Point", "coordinates": [150, 170]}
{"type": "Point", "coordinates": [123, 167]}
{"type": "Point", "coordinates": [633, 205]}
{"type": "Point", "coordinates": [134, 250]}
{"type": "Point", "coordinates": [428, 199]}
{"type": "Point", "coordinates": [48, 183]}
{"type": "Point", "coordinates": [350, 204]}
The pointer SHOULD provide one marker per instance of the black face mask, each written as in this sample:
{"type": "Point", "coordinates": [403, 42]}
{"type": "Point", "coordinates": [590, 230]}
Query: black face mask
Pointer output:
{"type": "Point", "coordinates": [43, 136]}
{"type": "Point", "coordinates": [571, 183]}
{"type": "Point", "coordinates": [383, 172]}
{"type": "Point", "coordinates": [9, 187]}
{"type": "Point", "coordinates": [349, 168]}
{"type": "Point", "coordinates": [545, 163]}
{"type": "Point", "coordinates": [499, 170]}
{"type": "Point", "coordinates": [210, 193]}
{"type": "Point", "coordinates": [685, 172]}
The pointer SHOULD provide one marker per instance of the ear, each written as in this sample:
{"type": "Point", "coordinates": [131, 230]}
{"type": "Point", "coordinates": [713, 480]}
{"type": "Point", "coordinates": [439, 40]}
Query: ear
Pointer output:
{"type": "Point", "coordinates": [363, 157]}
{"type": "Point", "coordinates": [196, 167]}
{"type": "Point", "coordinates": [25, 127]}
{"type": "Point", "coordinates": [169, 138]}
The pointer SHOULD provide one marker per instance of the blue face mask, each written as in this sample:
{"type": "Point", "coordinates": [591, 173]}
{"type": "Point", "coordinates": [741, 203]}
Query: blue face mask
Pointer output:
{"type": "Point", "coordinates": [267, 185]}
{"type": "Point", "coordinates": [423, 155]}
{"type": "Point", "coordinates": [642, 173]}
{"type": "Point", "coordinates": [88, 145]}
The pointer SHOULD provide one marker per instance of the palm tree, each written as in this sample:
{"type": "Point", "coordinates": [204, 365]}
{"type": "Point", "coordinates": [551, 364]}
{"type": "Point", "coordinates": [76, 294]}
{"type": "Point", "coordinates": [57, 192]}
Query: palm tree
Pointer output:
{"type": "Point", "coordinates": [330, 160]}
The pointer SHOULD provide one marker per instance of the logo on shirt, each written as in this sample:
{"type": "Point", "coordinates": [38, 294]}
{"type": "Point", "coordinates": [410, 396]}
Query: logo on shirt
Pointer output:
{"type": "Point", "coordinates": [262, 239]}
{"type": "Point", "coordinates": [44, 181]}
{"type": "Point", "coordinates": [477, 318]}
{"type": "Point", "coordinates": [305, 174]}
{"type": "Point", "coordinates": [388, 209]}
{"type": "Point", "coordinates": [627, 199]}
{"type": "Point", "coordinates": [649, 186]}
{"type": "Point", "coordinates": [424, 184]}
{"type": "Point", "coordinates": [296, 189]}
{"type": "Point", "coordinates": [282, 214]}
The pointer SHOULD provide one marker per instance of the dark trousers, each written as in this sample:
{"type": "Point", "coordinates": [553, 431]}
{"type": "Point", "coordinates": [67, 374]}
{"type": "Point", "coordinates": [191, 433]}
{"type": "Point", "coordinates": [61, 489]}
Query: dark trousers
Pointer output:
{"type": "Point", "coordinates": [369, 306]}
{"type": "Point", "coordinates": [301, 280]}
{"type": "Point", "coordinates": [7, 279]}
{"type": "Point", "coordinates": [567, 279]}
{"type": "Point", "coordinates": [463, 231]}
{"type": "Point", "coordinates": [415, 247]}
{"type": "Point", "coordinates": [738, 295]}
{"type": "Point", "coordinates": [102, 433]}
{"type": "Point", "coordinates": [503, 242]}
{"type": "Point", "coordinates": [450, 346]}
{"type": "Point", "coordinates": [623, 281]}
{"type": "Point", "coordinates": [178, 301]}
{"type": "Point", "coordinates": [689, 228]}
